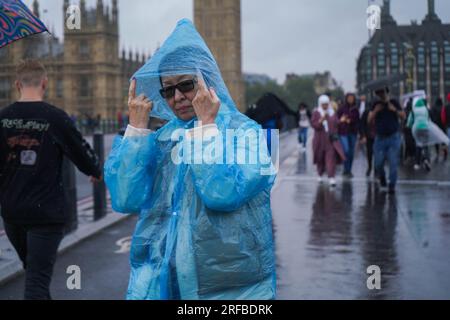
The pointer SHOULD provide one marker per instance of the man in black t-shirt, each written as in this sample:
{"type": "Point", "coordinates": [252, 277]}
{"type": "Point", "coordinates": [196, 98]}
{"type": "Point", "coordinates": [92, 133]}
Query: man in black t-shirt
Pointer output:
{"type": "Point", "coordinates": [34, 137]}
{"type": "Point", "coordinates": [386, 114]}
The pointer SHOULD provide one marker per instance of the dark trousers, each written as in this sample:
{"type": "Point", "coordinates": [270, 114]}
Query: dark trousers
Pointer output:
{"type": "Point", "coordinates": [36, 247]}
{"type": "Point", "coordinates": [369, 146]}
{"type": "Point", "coordinates": [422, 154]}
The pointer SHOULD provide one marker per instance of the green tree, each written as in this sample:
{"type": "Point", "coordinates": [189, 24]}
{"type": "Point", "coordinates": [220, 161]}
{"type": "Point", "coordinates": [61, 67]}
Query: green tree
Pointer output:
{"type": "Point", "coordinates": [299, 89]}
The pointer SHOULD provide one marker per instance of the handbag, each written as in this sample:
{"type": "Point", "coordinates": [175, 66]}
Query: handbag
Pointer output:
{"type": "Point", "coordinates": [334, 137]}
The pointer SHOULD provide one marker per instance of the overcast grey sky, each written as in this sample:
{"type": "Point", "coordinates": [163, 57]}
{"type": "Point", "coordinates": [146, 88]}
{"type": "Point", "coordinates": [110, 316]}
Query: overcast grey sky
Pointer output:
{"type": "Point", "coordinates": [301, 36]}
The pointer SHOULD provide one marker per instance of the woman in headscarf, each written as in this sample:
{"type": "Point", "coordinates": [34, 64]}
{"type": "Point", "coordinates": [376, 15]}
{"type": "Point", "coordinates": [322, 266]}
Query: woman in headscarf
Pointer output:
{"type": "Point", "coordinates": [327, 149]}
{"type": "Point", "coordinates": [205, 224]}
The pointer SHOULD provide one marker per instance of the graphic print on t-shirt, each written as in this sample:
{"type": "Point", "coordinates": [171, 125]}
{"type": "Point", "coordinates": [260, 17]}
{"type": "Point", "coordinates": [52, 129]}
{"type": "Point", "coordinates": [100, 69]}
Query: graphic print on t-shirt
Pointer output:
{"type": "Point", "coordinates": [24, 139]}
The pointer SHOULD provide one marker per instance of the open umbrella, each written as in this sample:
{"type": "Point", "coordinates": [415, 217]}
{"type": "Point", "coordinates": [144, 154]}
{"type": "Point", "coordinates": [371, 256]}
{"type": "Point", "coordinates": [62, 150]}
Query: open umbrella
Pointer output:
{"type": "Point", "coordinates": [17, 22]}
{"type": "Point", "coordinates": [268, 107]}
{"type": "Point", "coordinates": [384, 82]}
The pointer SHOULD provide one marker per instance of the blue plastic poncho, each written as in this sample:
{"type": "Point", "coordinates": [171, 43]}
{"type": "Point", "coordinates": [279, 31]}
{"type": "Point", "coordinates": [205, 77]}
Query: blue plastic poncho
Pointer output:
{"type": "Point", "coordinates": [205, 228]}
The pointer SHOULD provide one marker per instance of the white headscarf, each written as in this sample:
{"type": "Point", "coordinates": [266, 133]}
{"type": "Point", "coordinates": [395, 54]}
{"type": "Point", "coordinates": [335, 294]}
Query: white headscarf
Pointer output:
{"type": "Point", "coordinates": [324, 99]}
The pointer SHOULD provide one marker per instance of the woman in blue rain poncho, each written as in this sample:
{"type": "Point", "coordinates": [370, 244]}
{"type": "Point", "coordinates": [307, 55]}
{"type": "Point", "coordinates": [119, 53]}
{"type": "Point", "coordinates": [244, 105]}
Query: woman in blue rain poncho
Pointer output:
{"type": "Point", "coordinates": [205, 224]}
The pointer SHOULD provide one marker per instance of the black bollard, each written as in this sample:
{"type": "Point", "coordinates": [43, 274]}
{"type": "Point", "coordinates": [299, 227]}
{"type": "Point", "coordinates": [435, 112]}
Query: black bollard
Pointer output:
{"type": "Point", "coordinates": [70, 194]}
{"type": "Point", "coordinates": [99, 187]}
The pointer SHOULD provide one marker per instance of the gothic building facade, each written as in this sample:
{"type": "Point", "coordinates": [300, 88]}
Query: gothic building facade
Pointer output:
{"type": "Point", "coordinates": [420, 51]}
{"type": "Point", "coordinates": [88, 77]}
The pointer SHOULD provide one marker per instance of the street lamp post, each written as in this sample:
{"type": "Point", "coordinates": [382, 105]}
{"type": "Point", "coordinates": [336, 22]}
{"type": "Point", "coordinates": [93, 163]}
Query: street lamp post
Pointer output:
{"type": "Point", "coordinates": [410, 63]}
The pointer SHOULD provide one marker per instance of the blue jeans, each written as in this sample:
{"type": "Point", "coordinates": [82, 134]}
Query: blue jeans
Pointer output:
{"type": "Point", "coordinates": [387, 148]}
{"type": "Point", "coordinates": [348, 144]}
{"type": "Point", "coordinates": [303, 136]}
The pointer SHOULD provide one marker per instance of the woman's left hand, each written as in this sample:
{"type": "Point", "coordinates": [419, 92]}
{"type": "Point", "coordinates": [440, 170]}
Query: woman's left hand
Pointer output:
{"type": "Point", "coordinates": [206, 103]}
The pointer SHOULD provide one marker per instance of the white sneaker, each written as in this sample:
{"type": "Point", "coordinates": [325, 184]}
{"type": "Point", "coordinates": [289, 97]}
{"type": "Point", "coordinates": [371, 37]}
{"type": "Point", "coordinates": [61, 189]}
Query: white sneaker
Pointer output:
{"type": "Point", "coordinates": [416, 167]}
{"type": "Point", "coordinates": [333, 182]}
{"type": "Point", "coordinates": [320, 180]}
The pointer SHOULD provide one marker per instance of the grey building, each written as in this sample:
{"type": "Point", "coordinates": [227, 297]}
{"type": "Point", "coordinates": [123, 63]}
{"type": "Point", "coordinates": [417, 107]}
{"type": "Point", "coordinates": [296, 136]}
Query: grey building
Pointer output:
{"type": "Point", "coordinates": [420, 50]}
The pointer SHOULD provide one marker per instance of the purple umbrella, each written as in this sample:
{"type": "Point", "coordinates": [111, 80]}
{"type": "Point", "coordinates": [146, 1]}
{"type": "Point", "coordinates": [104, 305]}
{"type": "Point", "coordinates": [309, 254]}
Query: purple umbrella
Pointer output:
{"type": "Point", "coordinates": [17, 22]}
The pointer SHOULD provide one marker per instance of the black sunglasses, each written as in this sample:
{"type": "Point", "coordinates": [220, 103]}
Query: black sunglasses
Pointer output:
{"type": "Point", "coordinates": [183, 87]}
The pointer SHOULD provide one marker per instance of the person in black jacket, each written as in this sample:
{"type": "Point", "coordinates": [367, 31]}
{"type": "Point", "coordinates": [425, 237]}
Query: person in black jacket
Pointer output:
{"type": "Point", "coordinates": [367, 136]}
{"type": "Point", "coordinates": [435, 114]}
{"type": "Point", "coordinates": [34, 137]}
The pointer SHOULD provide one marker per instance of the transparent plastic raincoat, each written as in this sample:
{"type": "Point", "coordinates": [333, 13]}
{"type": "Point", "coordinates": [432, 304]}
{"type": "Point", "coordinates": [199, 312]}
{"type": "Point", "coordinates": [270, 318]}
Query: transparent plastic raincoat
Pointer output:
{"type": "Point", "coordinates": [204, 229]}
{"type": "Point", "coordinates": [424, 130]}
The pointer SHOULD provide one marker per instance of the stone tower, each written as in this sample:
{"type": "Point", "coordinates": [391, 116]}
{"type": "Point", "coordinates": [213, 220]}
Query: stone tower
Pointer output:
{"type": "Point", "coordinates": [92, 78]}
{"type": "Point", "coordinates": [219, 22]}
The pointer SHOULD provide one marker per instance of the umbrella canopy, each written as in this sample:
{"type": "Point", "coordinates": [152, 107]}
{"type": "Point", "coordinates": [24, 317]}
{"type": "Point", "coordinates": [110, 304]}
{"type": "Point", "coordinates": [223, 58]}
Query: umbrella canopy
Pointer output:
{"type": "Point", "coordinates": [17, 22]}
{"type": "Point", "coordinates": [384, 82]}
{"type": "Point", "coordinates": [268, 107]}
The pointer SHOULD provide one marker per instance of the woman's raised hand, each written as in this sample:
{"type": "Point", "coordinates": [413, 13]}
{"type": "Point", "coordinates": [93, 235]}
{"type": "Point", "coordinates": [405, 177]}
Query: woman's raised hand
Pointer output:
{"type": "Point", "coordinates": [139, 107]}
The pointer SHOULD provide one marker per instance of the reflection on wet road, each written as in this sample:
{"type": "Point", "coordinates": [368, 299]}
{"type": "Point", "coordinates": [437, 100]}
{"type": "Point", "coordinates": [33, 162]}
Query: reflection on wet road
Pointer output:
{"type": "Point", "coordinates": [327, 238]}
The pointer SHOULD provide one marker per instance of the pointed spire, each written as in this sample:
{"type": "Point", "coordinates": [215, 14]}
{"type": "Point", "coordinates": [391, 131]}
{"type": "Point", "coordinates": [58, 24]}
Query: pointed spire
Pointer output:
{"type": "Point", "coordinates": [431, 15]}
{"type": "Point", "coordinates": [431, 7]}
{"type": "Point", "coordinates": [100, 8]}
{"type": "Point", "coordinates": [83, 5]}
{"type": "Point", "coordinates": [100, 15]}
{"type": "Point", "coordinates": [115, 10]}
{"type": "Point", "coordinates": [107, 13]}
{"type": "Point", "coordinates": [386, 17]}
{"type": "Point", "coordinates": [36, 8]}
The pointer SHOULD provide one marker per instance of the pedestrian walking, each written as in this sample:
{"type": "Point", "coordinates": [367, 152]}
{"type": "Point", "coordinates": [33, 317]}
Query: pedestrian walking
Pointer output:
{"type": "Point", "coordinates": [34, 137]}
{"type": "Point", "coordinates": [386, 114]}
{"type": "Point", "coordinates": [327, 149]}
{"type": "Point", "coordinates": [435, 114]}
{"type": "Point", "coordinates": [367, 137]}
{"type": "Point", "coordinates": [304, 123]}
{"type": "Point", "coordinates": [348, 117]}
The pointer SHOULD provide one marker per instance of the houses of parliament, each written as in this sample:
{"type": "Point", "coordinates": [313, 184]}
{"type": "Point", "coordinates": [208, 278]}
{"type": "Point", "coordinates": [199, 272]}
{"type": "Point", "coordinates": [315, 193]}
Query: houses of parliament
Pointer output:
{"type": "Point", "coordinates": [88, 73]}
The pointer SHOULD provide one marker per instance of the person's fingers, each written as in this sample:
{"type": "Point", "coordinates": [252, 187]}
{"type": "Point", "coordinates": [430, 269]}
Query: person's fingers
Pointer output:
{"type": "Point", "coordinates": [141, 97]}
{"type": "Point", "coordinates": [132, 90]}
{"type": "Point", "coordinates": [214, 96]}
{"type": "Point", "coordinates": [201, 82]}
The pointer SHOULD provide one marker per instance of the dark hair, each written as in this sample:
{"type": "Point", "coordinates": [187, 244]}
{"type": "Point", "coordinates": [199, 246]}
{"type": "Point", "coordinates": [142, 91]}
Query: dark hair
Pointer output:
{"type": "Point", "coordinates": [302, 105]}
{"type": "Point", "coordinates": [385, 89]}
{"type": "Point", "coordinates": [350, 94]}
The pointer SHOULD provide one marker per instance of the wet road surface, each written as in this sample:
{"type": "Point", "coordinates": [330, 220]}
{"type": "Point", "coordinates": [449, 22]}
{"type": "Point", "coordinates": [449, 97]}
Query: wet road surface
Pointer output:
{"type": "Point", "coordinates": [325, 238]}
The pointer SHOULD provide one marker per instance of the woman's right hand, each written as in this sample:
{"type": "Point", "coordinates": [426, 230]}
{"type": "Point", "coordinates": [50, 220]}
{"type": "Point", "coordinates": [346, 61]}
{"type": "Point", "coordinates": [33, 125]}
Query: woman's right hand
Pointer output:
{"type": "Point", "coordinates": [139, 108]}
